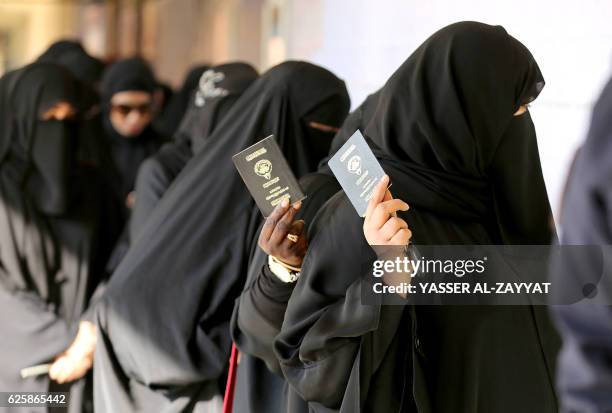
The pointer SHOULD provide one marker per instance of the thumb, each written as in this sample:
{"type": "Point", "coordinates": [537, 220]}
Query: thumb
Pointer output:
{"type": "Point", "coordinates": [378, 195]}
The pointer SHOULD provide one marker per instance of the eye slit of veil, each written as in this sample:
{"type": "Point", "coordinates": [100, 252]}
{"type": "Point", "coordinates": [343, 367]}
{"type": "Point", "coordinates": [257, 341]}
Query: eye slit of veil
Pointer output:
{"type": "Point", "coordinates": [59, 110]}
{"type": "Point", "coordinates": [323, 127]}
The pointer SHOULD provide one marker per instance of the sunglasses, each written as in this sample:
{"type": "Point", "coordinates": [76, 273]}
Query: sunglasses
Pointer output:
{"type": "Point", "coordinates": [124, 110]}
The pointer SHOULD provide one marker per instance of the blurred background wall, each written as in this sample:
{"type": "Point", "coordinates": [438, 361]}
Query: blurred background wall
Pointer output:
{"type": "Point", "coordinates": [362, 41]}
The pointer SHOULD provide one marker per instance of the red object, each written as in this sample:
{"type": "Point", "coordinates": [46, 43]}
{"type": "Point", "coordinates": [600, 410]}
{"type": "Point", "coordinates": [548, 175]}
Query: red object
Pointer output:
{"type": "Point", "coordinates": [230, 387]}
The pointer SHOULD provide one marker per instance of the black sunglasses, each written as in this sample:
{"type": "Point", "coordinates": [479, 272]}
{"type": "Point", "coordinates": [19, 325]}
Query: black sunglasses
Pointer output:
{"type": "Point", "coordinates": [124, 110]}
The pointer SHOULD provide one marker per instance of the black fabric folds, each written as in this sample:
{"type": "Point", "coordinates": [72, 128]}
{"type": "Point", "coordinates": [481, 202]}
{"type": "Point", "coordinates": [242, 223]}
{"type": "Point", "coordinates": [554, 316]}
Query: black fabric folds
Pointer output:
{"type": "Point", "coordinates": [218, 89]}
{"type": "Point", "coordinates": [56, 231]}
{"type": "Point", "coordinates": [170, 119]}
{"type": "Point", "coordinates": [258, 316]}
{"type": "Point", "coordinates": [71, 55]}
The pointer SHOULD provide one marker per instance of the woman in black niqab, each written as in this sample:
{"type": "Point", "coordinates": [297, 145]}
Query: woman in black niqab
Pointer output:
{"type": "Point", "coordinates": [93, 148]}
{"type": "Point", "coordinates": [445, 133]}
{"type": "Point", "coordinates": [52, 247]}
{"type": "Point", "coordinates": [260, 309]}
{"type": "Point", "coordinates": [164, 322]}
{"type": "Point", "coordinates": [219, 88]}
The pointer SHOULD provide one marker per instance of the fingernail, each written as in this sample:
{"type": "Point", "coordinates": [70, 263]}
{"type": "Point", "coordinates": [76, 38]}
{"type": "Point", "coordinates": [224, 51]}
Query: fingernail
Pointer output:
{"type": "Point", "coordinates": [385, 179]}
{"type": "Point", "coordinates": [297, 205]}
{"type": "Point", "coordinates": [285, 203]}
{"type": "Point", "coordinates": [406, 207]}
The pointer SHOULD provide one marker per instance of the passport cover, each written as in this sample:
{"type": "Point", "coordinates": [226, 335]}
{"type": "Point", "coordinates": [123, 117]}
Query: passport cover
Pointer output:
{"type": "Point", "coordinates": [267, 175]}
{"type": "Point", "coordinates": [357, 170]}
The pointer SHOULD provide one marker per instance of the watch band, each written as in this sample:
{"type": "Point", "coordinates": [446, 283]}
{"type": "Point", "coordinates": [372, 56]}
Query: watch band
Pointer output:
{"type": "Point", "coordinates": [282, 271]}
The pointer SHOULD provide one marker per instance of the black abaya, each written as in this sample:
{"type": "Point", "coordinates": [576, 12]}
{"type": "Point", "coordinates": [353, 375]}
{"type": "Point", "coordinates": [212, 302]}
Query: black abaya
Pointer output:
{"type": "Point", "coordinates": [260, 310]}
{"type": "Point", "coordinates": [55, 233]}
{"type": "Point", "coordinates": [444, 132]}
{"type": "Point", "coordinates": [258, 316]}
{"type": "Point", "coordinates": [165, 317]}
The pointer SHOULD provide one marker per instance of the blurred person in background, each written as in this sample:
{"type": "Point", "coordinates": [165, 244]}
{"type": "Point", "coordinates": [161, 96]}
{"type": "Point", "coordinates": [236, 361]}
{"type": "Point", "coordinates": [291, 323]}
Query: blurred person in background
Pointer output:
{"type": "Point", "coordinates": [218, 89]}
{"type": "Point", "coordinates": [57, 233]}
{"type": "Point", "coordinates": [172, 113]}
{"type": "Point", "coordinates": [94, 149]}
{"type": "Point", "coordinates": [128, 87]}
{"type": "Point", "coordinates": [584, 378]}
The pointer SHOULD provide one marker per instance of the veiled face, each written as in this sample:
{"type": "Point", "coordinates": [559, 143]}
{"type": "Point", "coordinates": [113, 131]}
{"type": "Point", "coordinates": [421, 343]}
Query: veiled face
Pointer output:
{"type": "Point", "coordinates": [131, 112]}
{"type": "Point", "coordinates": [60, 111]}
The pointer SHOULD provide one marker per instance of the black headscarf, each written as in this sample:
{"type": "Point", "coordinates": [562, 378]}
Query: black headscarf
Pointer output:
{"type": "Point", "coordinates": [132, 74]}
{"type": "Point", "coordinates": [170, 119]}
{"type": "Point", "coordinates": [93, 148]}
{"type": "Point", "coordinates": [219, 88]}
{"type": "Point", "coordinates": [127, 74]}
{"type": "Point", "coordinates": [444, 131]}
{"type": "Point", "coordinates": [71, 55]}
{"type": "Point", "coordinates": [169, 304]}
{"type": "Point", "coordinates": [355, 120]}
{"type": "Point", "coordinates": [444, 122]}
{"type": "Point", "coordinates": [216, 91]}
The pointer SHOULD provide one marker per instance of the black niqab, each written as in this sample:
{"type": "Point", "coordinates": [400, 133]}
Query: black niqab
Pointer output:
{"type": "Point", "coordinates": [35, 163]}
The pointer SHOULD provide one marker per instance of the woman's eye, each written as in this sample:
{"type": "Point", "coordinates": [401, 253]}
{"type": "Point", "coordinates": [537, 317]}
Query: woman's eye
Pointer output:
{"type": "Point", "coordinates": [521, 110]}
